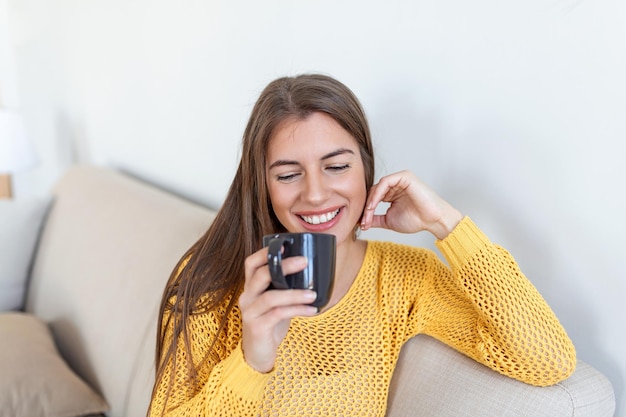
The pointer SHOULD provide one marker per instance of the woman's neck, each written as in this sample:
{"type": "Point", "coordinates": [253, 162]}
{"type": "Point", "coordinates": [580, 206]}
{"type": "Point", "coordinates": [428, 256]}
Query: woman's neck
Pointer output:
{"type": "Point", "coordinates": [349, 259]}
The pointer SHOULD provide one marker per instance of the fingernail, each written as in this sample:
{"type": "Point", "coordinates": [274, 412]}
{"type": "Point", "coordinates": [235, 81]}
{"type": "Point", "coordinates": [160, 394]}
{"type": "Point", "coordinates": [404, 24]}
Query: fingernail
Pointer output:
{"type": "Point", "coordinates": [314, 310]}
{"type": "Point", "coordinates": [310, 295]}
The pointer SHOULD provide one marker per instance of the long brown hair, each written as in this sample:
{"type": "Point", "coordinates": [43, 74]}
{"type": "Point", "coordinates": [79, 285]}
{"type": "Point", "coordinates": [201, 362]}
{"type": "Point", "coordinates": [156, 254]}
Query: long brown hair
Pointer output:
{"type": "Point", "coordinates": [204, 278]}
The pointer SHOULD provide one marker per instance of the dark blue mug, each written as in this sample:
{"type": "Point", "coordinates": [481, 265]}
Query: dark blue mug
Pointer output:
{"type": "Point", "coordinates": [319, 275]}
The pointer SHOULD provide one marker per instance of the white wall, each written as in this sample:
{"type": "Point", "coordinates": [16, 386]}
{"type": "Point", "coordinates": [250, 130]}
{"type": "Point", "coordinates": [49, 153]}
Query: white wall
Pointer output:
{"type": "Point", "coordinates": [514, 111]}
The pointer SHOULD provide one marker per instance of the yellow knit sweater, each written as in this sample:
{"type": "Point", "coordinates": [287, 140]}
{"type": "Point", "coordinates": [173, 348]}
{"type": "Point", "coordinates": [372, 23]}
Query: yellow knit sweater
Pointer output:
{"type": "Point", "coordinates": [341, 361]}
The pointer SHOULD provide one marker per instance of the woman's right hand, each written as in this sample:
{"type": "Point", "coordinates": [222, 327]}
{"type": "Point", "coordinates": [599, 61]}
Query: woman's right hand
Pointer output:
{"type": "Point", "coordinates": [266, 315]}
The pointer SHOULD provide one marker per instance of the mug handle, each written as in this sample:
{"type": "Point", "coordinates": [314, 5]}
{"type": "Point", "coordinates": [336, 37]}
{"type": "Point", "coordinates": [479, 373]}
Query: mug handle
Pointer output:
{"type": "Point", "coordinates": [274, 262]}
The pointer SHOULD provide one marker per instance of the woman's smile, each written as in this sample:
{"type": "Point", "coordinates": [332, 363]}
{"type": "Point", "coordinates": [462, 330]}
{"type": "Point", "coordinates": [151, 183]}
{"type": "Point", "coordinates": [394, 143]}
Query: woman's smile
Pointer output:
{"type": "Point", "coordinates": [324, 218]}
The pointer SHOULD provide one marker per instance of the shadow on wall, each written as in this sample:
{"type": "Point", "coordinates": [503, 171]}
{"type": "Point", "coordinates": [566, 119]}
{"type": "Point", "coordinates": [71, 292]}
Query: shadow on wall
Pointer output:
{"type": "Point", "coordinates": [73, 146]}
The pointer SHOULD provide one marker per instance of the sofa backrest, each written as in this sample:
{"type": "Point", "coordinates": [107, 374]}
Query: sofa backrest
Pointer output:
{"type": "Point", "coordinates": [105, 254]}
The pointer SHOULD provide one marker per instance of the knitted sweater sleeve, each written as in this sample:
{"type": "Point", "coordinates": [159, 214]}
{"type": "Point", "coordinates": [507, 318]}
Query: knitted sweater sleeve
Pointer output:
{"type": "Point", "coordinates": [484, 306]}
{"type": "Point", "coordinates": [225, 385]}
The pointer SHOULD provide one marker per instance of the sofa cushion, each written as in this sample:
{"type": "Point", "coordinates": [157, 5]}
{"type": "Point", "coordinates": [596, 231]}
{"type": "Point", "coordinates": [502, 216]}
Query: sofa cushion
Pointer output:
{"type": "Point", "coordinates": [106, 251]}
{"type": "Point", "coordinates": [20, 221]}
{"type": "Point", "coordinates": [35, 381]}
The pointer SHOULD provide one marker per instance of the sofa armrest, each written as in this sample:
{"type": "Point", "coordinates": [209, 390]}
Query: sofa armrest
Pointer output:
{"type": "Point", "coordinates": [432, 379]}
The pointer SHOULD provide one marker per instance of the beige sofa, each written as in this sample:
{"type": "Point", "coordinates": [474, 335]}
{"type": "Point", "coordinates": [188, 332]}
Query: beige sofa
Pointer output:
{"type": "Point", "coordinates": [104, 254]}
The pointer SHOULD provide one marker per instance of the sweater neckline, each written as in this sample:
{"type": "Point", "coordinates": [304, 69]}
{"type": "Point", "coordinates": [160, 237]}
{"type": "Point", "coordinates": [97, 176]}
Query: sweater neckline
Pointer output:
{"type": "Point", "coordinates": [349, 294]}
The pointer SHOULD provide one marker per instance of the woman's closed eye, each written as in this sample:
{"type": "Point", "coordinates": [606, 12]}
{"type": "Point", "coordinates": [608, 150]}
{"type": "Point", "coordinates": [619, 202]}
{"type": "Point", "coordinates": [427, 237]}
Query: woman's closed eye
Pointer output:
{"type": "Point", "coordinates": [338, 167]}
{"type": "Point", "coordinates": [288, 177]}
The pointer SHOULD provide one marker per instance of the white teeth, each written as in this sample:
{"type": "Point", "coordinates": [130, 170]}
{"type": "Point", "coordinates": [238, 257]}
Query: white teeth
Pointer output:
{"type": "Point", "coordinates": [320, 219]}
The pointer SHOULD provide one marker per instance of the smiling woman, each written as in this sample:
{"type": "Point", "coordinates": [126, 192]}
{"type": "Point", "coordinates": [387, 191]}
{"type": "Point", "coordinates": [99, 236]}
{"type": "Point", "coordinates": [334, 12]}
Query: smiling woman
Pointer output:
{"type": "Point", "coordinates": [316, 178]}
{"type": "Point", "coordinates": [228, 345]}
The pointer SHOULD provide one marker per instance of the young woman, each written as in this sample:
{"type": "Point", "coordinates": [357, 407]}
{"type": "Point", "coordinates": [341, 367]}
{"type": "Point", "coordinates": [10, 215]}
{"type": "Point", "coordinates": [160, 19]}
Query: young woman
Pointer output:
{"type": "Point", "coordinates": [228, 346]}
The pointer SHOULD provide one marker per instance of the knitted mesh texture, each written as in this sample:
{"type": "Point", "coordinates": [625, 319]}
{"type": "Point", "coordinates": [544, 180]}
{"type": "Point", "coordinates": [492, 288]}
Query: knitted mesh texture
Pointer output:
{"type": "Point", "coordinates": [341, 361]}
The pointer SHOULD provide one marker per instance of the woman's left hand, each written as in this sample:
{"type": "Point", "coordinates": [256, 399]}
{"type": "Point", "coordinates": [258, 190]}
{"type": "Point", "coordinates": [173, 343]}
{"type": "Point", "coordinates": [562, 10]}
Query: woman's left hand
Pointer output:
{"type": "Point", "coordinates": [414, 207]}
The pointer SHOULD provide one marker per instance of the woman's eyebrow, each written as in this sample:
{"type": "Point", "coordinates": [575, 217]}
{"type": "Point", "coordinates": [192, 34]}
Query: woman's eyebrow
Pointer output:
{"type": "Point", "coordinates": [283, 162]}
{"type": "Point", "coordinates": [338, 152]}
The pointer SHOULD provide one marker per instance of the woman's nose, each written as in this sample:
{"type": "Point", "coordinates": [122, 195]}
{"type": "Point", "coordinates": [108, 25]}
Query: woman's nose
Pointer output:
{"type": "Point", "coordinates": [316, 189]}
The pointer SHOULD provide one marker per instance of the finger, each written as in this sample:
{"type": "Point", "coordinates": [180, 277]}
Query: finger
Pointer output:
{"type": "Point", "coordinates": [376, 195]}
{"type": "Point", "coordinates": [294, 264]}
{"type": "Point", "coordinates": [368, 218]}
{"type": "Point", "coordinates": [278, 300]}
{"type": "Point", "coordinates": [254, 262]}
{"type": "Point", "coordinates": [289, 312]}
{"type": "Point", "coordinates": [379, 221]}
{"type": "Point", "coordinates": [261, 279]}
{"type": "Point", "coordinates": [288, 266]}
{"type": "Point", "coordinates": [386, 189]}
{"type": "Point", "coordinates": [283, 298]}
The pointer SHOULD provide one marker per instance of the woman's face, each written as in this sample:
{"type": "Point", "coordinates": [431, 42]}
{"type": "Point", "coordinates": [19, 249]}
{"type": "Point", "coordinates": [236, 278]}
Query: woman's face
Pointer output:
{"type": "Point", "coordinates": [315, 177]}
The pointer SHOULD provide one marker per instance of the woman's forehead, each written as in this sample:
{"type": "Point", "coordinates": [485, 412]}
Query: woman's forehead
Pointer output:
{"type": "Point", "coordinates": [317, 134]}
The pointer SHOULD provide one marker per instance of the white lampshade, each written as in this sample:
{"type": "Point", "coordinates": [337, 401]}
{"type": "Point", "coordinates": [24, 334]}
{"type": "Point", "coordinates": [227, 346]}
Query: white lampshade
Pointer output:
{"type": "Point", "coordinates": [16, 151]}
